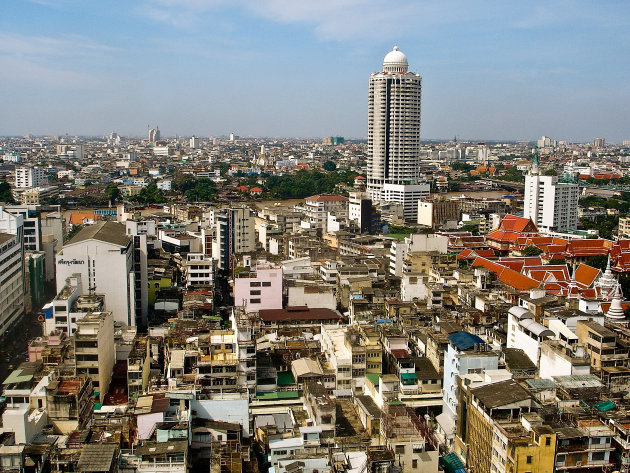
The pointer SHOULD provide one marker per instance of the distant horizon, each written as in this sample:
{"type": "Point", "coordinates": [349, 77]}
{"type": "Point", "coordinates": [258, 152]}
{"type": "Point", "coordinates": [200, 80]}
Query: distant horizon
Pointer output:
{"type": "Point", "coordinates": [292, 69]}
{"type": "Point", "coordinates": [314, 138]}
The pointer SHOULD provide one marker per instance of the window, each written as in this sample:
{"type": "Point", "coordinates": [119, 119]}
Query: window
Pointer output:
{"type": "Point", "coordinates": [548, 441]}
{"type": "Point", "coordinates": [254, 292]}
{"type": "Point", "coordinates": [254, 284]}
{"type": "Point", "coordinates": [414, 464]}
{"type": "Point", "coordinates": [599, 456]}
{"type": "Point", "coordinates": [254, 301]}
{"type": "Point", "coordinates": [266, 284]}
{"type": "Point", "coordinates": [400, 449]}
{"type": "Point", "coordinates": [529, 459]}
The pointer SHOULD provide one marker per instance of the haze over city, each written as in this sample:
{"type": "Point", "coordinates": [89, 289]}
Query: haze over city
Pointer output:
{"type": "Point", "coordinates": [278, 68]}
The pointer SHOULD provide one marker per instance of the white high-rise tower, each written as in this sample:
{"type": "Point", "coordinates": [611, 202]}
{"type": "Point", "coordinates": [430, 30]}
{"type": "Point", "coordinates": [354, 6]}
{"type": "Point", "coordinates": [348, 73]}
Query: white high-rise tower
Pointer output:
{"type": "Point", "coordinates": [552, 205]}
{"type": "Point", "coordinates": [394, 134]}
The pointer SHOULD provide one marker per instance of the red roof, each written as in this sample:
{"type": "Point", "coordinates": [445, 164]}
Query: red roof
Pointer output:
{"type": "Point", "coordinates": [508, 276]}
{"type": "Point", "coordinates": [255, 189]}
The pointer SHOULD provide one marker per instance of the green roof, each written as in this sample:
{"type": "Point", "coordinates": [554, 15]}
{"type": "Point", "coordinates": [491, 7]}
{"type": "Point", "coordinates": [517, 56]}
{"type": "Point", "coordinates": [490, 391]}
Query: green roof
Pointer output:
{"type": "Point", "coordinates": [285, 378]}
{"type": "Point", "coordinates": [605, 406]}
{"type": "Point", "coordinates": [399, 236]}
{"type": "Point", "coordinates": [395, 403]}
{"type": "Point", "coordinates": [17, 377]}
{"type": "Point", "coordinates": [408, 376]}
{"type": "Point", "coordinates": [373, 378]}
{"type": "Point", "coordinates": [451, 463]}
{"type": "Point", "coordinates": [277, 395]}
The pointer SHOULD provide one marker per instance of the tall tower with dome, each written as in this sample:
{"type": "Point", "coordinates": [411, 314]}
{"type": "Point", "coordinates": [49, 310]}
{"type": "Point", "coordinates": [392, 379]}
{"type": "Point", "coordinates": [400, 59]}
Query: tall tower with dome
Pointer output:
{"type": "Point", "coordinates": [394, 128]}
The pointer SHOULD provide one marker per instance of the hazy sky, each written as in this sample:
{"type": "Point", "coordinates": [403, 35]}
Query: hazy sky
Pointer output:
{"type": "Point", "coordinates": [491, 69]}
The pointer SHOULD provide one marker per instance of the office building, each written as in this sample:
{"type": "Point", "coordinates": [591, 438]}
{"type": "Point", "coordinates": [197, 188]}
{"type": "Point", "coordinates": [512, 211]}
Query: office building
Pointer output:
{"type": "Point", "coordinates": [363, 213]}
{"type": "Point", "coordinates": [194, 142]}
{"type": "Point", "coordinates": [12, 277]}
{"type": "Point", "coordinates": [235, 234]}
{"type": "Point", "coordinates": [26, 177]}
{"type": "Point", "coordinates": [393, 126]}
{"type": "Point", "coordinates": [552, 205]}
{"type": "Point", "coordinates": [103, 254]}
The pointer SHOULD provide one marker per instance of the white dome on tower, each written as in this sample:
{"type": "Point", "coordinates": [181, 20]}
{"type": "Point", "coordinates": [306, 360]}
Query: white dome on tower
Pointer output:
{"type": "Point", "coordinates": [395, 61]}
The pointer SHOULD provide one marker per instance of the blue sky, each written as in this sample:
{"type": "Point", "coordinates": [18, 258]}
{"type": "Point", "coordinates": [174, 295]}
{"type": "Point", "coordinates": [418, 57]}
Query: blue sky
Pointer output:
{"type": "Point", "coordinates": [292, 68]}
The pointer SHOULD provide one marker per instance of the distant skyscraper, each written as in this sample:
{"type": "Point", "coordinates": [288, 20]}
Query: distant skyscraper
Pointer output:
{"type": "Point", "coordinates": [154, 134]}
{"type": "Point", "coordinates": [394, 129]}
{"type": "Point", "coordinates": [599, 143]}
{"type": "Point", "coordinates": [194, 142]}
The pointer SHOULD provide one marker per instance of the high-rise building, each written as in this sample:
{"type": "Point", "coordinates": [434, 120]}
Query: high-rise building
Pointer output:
{"type": "Point", "coordinates": [12, 282]}
{"type": "Point", "coordinates": [26, 177]}
{"type": "Point", "coordinates": [194, 142]}
{"type": "Point", "coordinates": [154, 134]}
{"type": "Point", "coordinates": [394, 128]}
{"type": "Point", "coordinates": [105, 258]}
{"type": "Point", "coordinates": [599, 143]}
{"type": "Point", "coordinates": [552, 205]}
{"type": "Point", "coordinates": [235, 234]}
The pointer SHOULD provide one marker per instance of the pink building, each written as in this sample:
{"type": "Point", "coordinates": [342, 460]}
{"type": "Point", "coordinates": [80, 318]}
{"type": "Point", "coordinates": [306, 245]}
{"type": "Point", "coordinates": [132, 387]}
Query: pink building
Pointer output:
{"type": "Point", "coordinates": [261, 288]}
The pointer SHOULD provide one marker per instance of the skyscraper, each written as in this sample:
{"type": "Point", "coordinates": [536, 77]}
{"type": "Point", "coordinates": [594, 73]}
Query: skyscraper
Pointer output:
{"type": "Point", "coordinates": [552, 205]}
{"type": "Point", "coordinates": [394, 132]}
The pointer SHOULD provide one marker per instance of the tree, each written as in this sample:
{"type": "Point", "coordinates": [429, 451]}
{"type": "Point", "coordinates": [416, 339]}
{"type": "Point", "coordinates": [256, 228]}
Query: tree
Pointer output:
{"type": "Point", "coordinates": [531, 251]}
{"type": "Point", "coordinates": [550, 172]}
{"type": "Point", "coordinates": [471, 227]}
{"type": "Point", "coordinates": [330, 166]}
{"type": "Point", "coordinates": [73, 231]}
{"type": "Point", "coordinates": [5, 193]}
{"type": "Point", "coordinates": [149, 195]}
{"type": "Point", "coordinates": [598, 261]}
{"type": "Point", "coordinates": [112, 192]}
{"type": "Point", "coordinates": [204, 190]}
{"type": "Point", "coordinates": [557, 261]}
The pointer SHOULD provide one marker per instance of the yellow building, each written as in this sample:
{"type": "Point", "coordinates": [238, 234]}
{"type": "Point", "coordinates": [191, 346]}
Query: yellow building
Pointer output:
{"type": "Point", "coordinates": [525, 450]}
{"type": "Point", "coordinates": [155, 284]}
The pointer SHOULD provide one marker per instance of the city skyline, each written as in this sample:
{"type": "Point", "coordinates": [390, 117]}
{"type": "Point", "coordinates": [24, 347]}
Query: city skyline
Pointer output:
{"type": "Point", "coordinates": [277, 68]}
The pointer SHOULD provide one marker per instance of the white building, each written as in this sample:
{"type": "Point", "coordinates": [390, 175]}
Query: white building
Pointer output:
{"type": "Point", "coordinates": [552, 205]}
{"type": "Point", "coordinates": [407, 195]}
{"type": "Point", "coordinates": [465, 354]}
{"type": "Point", "coordinates": [103, 255]}
{"type": "Point", "coordinates": [12, 282]}
{"type": "Point", "coordinates": [525, 333]}
{"type": "Point", "coordinates": [198, 270]}
{"type": "Point", "coordinates": [393, 125]}
{"type": "Point", "coordinates": [318, 207]}
{"type": "Point", "coordinates": [26, 177]}
{"type": "Point", "coordinates": [194, 142]}
{"type": "Point", "coordinates": [414, 243]}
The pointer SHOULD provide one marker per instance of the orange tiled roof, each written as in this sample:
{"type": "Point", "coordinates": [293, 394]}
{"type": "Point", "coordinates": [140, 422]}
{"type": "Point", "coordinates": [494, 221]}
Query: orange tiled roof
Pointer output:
{"type": "Point", "coordinates": [585, 274]}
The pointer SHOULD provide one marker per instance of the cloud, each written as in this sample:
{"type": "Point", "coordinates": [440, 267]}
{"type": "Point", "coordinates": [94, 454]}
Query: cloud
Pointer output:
{"type": "Point", "coordinates": [64, 45]}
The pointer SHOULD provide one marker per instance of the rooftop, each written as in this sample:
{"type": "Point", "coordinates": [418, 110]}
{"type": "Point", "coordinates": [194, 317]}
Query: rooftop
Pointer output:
{"type": "Point", "coordinates": [109, 232]}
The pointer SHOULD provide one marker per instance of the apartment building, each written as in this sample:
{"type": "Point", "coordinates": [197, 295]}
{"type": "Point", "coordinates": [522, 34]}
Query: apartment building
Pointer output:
{"type": "Point", "coordinates": [260, 288]}
{"type": "Point", "coordinates": [317, 208]}
{"type": "Point", "coordinates": [94, 350]}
